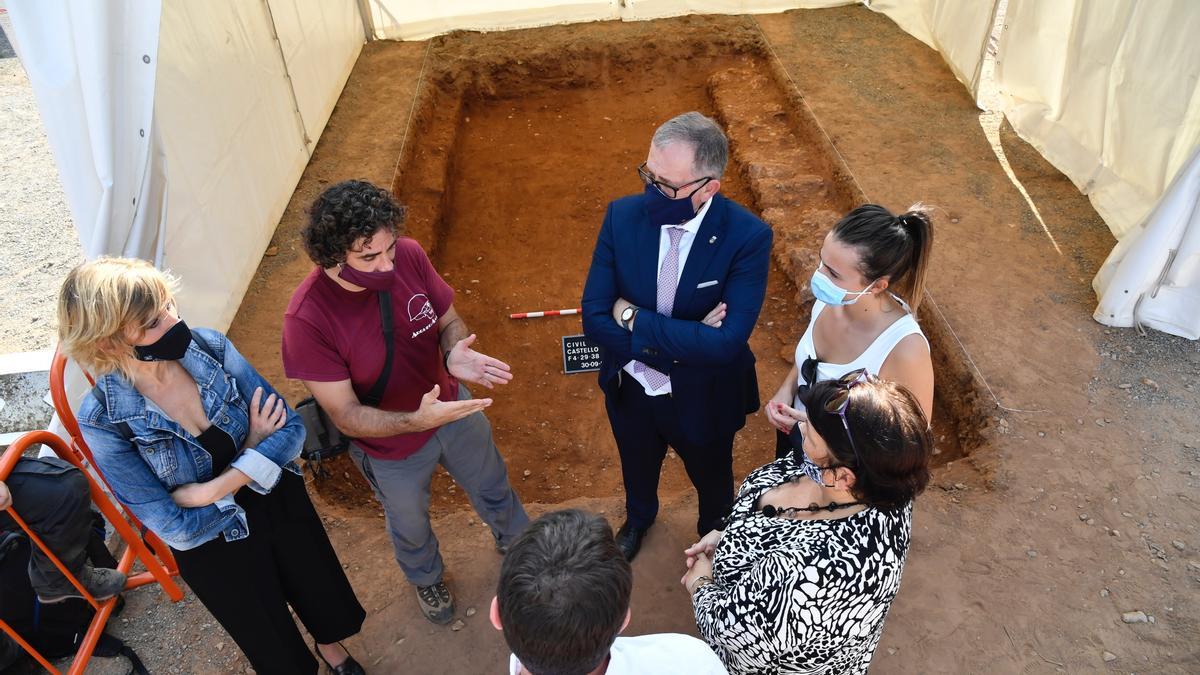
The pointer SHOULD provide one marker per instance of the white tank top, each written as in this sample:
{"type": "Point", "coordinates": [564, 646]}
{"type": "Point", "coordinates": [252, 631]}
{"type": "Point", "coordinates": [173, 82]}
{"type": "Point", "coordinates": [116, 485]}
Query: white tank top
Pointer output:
{"type": "Point", "coordinates": [872, 357]}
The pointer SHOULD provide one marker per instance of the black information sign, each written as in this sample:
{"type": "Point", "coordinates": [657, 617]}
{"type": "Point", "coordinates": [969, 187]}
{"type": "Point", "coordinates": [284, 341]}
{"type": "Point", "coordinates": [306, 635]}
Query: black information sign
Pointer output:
{"type": "Point", "coordinates": [580, 355]}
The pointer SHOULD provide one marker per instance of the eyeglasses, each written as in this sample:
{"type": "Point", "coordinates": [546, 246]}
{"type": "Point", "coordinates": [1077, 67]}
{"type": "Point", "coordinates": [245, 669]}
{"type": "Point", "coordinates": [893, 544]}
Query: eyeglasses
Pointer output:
{"type": "Point", "coordinates": [670, 191]}
{"type": "Point", "coordinates": [839, 403]}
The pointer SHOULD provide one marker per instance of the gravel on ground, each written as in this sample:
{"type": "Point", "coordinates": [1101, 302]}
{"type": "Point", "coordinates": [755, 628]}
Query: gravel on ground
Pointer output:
{"type": "Point", "coordinates": [38, 241]}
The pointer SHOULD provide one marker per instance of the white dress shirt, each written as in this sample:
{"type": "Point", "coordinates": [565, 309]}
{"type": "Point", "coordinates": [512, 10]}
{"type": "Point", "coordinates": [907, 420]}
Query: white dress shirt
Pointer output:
{"type": "Point", "coordinates": [661, 654]}
{"type": "Point", "coordinates": [664, 246]}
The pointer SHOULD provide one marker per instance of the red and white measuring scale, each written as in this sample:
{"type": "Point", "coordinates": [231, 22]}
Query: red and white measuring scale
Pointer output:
{"type": "Point", "coordinates": [548, 312]}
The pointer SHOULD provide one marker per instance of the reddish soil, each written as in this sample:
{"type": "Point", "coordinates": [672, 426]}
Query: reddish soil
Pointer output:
{"type": "Point", "coordinates": [530, 176]}
{"type": "Point", "coordinates": [506, 192]}
{"type": "Point", "coordinates": [1076, 501]}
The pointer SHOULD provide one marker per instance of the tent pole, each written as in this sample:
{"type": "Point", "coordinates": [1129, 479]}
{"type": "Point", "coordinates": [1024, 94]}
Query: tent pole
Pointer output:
{"type": "Point", "coordinates": [308, 149]}
{"type": "Point", "coordinates": [368, 21]}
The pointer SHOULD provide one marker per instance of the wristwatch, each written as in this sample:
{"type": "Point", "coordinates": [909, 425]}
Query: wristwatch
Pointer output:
{"type": "Point", "coordinates": [627, 315]}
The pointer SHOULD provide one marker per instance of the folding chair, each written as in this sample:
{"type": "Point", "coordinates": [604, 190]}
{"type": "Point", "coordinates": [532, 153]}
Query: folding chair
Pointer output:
{"type": "Point", "coordinates": [141, 545]}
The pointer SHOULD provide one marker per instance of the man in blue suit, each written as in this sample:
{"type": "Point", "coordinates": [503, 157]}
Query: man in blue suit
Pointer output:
{"type": "Point", "coordinates": [676, 284]}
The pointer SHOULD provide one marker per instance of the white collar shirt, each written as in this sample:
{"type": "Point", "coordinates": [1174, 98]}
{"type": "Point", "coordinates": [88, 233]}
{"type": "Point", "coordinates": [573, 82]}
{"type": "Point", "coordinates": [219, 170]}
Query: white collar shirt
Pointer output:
{"type": "Point", "coordinates": [685, 242]}
{"type": "Point", "coordinates": [664, 246]}
{"type": "Point", "coordinates": [661, 654]}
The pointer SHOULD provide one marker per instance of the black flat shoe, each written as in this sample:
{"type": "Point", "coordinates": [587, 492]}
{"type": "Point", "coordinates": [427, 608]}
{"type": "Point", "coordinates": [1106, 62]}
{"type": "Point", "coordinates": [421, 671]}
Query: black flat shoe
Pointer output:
{"type": "Point", "coordinates": [629, 540]}
{"type": "Point", "coordinates": [347, 667]}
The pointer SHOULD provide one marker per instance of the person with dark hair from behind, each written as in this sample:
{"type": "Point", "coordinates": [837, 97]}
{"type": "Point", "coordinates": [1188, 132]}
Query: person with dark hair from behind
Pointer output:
{"type": "Point", "coordinates": [867, 288]}
{"type": "Point", "coordinates": [809, 559]}
{"type": "Point", "coordinates": [563, 597]}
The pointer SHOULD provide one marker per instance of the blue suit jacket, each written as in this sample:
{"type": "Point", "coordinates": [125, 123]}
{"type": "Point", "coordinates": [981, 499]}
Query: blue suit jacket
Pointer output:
{"type": "Point", "coordinates": [712, 369]}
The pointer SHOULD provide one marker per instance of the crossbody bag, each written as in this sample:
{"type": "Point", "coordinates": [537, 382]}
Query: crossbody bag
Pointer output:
{"type": "Point", "coordinates": [322, 439]}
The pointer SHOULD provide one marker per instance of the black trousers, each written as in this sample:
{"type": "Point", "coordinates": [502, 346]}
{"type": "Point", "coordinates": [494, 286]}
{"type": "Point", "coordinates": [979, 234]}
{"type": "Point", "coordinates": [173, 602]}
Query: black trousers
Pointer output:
{"type": "Point", "coordinates": [783, 445]}
{"type": "Point", "coordinates": [248, 584]}
{"type": "Point", "coordinates": [52, 497]}
{"type": "Point", "coordinates": [643, 427]}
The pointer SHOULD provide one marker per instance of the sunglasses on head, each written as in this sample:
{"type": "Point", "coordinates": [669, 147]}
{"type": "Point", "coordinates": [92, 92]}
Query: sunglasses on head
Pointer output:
{"type": "Point", "coordinates": [839, 403]}
{"type": "Point", "coordinates": [808, 373]}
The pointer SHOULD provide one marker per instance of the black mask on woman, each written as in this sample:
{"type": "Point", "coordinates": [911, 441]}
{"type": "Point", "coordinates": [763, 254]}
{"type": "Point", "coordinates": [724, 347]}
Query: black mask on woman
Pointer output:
{"type": "Point", "coordinates": [170, 347]}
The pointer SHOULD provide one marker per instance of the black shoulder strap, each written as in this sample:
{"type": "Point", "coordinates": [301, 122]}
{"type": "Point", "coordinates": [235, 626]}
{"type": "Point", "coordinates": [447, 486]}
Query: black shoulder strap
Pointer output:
{"type": "Point", "coordinates": [203, 344]}
{"type": "Point", "coordinates": [375, 397]}
{"type": "Point", "coordinates": [110, 645]}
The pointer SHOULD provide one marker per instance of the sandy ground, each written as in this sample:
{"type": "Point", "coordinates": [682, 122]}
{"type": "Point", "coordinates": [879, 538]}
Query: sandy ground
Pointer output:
{"type": "Point", "coordinates": [38, 242]}
{"type": "Point", "coordinates": [1089, 510]}
{"type": "Point", "coordinates": [1079, 506]}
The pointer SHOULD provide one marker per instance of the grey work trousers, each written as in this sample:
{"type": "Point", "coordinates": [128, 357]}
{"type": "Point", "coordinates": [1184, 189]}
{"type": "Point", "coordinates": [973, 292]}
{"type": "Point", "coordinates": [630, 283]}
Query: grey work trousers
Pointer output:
{"type": "Point", "coordinates": [52, 498]}
{"type": "Point", "coordinates": [466, 449]}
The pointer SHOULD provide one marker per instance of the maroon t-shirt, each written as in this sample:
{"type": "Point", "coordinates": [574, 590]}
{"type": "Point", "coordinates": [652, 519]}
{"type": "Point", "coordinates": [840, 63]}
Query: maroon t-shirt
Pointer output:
{"type": "Point", "coordinates": [332, 334]}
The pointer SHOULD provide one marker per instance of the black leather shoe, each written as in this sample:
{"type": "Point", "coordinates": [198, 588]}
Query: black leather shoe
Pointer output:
{"type": "Point", "coordinates": [347, 667]}
{"type": "Point", "coordinates": [629, 540]}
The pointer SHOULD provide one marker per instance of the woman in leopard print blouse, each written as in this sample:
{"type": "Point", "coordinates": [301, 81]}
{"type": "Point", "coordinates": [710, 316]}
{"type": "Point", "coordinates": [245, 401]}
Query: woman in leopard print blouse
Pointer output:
{"type": "Point", "coordinates": [810, 559]}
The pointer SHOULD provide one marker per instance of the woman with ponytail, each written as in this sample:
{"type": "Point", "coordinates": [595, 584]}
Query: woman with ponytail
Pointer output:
{"type": "Point", "coordinates": [868, 286]}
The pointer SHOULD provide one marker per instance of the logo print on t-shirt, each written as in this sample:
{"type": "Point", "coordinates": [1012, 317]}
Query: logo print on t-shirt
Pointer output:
{"type": "Point", "coordinates": [419, 307]}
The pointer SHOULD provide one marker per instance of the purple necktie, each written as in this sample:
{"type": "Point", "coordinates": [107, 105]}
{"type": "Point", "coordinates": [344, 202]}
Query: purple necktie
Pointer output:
{"type": "Point", "coordinates": [668, 281]}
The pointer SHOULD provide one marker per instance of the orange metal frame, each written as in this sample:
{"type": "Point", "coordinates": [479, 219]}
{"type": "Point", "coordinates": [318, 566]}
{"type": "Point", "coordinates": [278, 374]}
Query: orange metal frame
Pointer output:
{"type": "Point", "coordinates": [151, 551]}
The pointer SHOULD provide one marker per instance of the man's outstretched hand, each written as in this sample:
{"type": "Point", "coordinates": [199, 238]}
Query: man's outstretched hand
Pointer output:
{"type": "Point", "coordinates": [434, 412]}
{"type": "Point", "coordinates": [468, 365]}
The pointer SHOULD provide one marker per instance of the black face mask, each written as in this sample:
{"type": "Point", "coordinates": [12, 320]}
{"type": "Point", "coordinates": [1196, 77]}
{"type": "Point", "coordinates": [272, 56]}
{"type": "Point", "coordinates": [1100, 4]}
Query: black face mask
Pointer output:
{"type": "Point", "coordinates": [170, 347]}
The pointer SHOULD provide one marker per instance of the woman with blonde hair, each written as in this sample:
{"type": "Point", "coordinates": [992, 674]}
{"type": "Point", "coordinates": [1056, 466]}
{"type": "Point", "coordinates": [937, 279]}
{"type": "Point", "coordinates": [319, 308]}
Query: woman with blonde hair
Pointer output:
{"type": "Point", "coordinates": [201, 449]}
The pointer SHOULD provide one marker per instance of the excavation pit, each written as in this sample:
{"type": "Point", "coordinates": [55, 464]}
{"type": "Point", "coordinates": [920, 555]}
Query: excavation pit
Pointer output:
{"type": "Point", "coordinates": [515, 149]}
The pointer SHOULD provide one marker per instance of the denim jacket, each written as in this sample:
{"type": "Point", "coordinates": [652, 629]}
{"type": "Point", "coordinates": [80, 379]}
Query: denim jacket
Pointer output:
{"type": "Point", "coordinates": [145, 455]}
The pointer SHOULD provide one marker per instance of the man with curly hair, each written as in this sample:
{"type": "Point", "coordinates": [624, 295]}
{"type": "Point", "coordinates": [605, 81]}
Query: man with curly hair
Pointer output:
{"type": "Point", "coordinates": [333, 341]}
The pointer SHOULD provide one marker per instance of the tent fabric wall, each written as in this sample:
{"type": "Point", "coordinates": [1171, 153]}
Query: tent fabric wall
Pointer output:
{"type": "Point", "coordinates": [637, 10]}
{"type": "Point", "coordinates": [406, 20]}
{"type": "Point", "coordinates": [957, 29]}
{"type": "Point", "coordinates": [180, 129]}
{"type": "Point", "coordinates": [92, 66]}
{"type": "Point", "coordinates": [224, 118]}
{"type": "Point", "coordinates": [1107, 92]}
{"type": "Point", "coordinates": [320, 42]}
{"type": "Point", "coordinates": [234, 135]}
{"type": "Point", "coordinates": [235, 146]}
{"type": "Point", "coordinates": [1152, 277]}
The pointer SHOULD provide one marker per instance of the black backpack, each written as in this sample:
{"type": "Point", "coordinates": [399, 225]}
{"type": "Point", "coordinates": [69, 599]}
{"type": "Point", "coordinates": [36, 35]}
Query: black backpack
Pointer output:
{"type": "Point", "coordinates": [55, 630]}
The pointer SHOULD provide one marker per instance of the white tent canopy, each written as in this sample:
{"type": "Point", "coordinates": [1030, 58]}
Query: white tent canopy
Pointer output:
{"type": "Point", "coordinates": [95, 92]}
{"type": "Point", "coordinates": [177, 131]}
{"type": "Point", "coordinates": [1108, 92]}
{"type": "Point", "coordinates": [1152, 277]}
{"type": "Point", "coordinates": [180, 129]}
